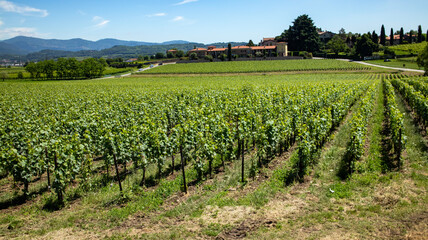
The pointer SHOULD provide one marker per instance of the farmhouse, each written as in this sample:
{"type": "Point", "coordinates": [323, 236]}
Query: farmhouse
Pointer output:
{"type": "Point", "coordinates": [269, 47]}
{"type": "Point", "coordinates": [406, 37]}
{"type": "Point", "coordinates": [326, 36]}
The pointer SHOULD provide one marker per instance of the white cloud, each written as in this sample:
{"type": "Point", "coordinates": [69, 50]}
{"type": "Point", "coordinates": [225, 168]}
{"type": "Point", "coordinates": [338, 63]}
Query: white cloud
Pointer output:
{"type": "Point", "coordinates": [19, 31]}
{"type": "Point", "coordinates": [1, 22]}
{"type": "Point", "coordinates": [24, 10]}
{"type": "Point", "coordinates": [178, 18]}
{"type": "Point", "coordinates": [157, 15]}
{"type": "Point", "coordinates": [184, 2]}
{"type": "Point", "coordinates": [80, 12]}
{"type": "Point", "coordinates": [99, 21]}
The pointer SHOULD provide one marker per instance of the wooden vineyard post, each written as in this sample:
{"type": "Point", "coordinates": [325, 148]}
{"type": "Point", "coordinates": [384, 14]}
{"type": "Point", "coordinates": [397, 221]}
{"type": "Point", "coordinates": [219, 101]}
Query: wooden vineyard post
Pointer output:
{"type": "Point", "coordinates": [182, 169]}
{"type": "Point", "coordinates": [173, 163]}
{"type": "Point", "coordinates": [242, 156]}
{"type": "Point", "coordinates": [117, 172]}
{"type": "Point", "coordinates": [47, 169]}
{"type": "Point", "coordinates": [60, 196]}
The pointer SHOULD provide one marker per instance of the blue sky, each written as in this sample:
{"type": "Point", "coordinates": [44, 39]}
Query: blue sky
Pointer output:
{"type": "Point", "coordinates": [205, 21]}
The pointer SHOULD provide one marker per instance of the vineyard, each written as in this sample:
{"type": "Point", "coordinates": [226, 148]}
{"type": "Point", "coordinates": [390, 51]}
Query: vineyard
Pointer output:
{"type": "Point", "coordinates": [258, 66]}
{"type": "Point", "coordinates": [120, 147]}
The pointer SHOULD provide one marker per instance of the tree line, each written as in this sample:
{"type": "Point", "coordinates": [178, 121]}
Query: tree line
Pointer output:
{"type": "Point", "coordinates": [303, 35]}
{"type": "Point", "coordinates": [66, 68]}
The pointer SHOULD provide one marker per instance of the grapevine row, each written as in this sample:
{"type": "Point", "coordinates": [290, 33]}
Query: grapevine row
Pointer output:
{"type": "Point", "coordinates": [395, 119]}
{"type": "Point", "coordinates": [417, 101]}
{"type": "Point", "coordinates": [61, 136]}
{"type": "Point", "coordinates": [359, 123]}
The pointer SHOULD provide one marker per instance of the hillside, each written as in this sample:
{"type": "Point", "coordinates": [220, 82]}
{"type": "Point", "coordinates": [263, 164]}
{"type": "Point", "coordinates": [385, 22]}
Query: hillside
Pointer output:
{"type": "Point", "coordinates": [112, 52]}
{"type": "Point", "coordinates": [23, 45]}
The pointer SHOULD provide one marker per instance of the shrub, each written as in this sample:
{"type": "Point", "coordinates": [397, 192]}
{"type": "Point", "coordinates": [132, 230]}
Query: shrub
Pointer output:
{"type": "Point", "coordinates": [222, 57]}
{"type": "Point", "coordinates": [20, 75]}
{"type": "Point", "coordinates": [388, 51]}
{"type": "Point", "coordinates": [209, 58]}
{"type": "Point", "coordinates": [193, 56]}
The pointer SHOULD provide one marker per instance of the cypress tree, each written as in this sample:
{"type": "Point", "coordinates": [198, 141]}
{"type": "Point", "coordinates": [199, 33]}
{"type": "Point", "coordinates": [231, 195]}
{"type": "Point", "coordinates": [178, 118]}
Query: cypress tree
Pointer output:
{"type": "Point", "coordinates": [426, 36]}
{"type": "Point", "coordinates": [411, 37]}
{"type": "Point", "coordinates": [229, 52]}
{"type": "Point", "coordinates": [401, 35]}
{"type": "Point", "coordinates": [419, 34]}
{"type": "Point", "coordinates": [382, 35]}
{"type": "Point", "coordinates": [375, 37]}
{"type": "Point", "coordinates": [391, 37]}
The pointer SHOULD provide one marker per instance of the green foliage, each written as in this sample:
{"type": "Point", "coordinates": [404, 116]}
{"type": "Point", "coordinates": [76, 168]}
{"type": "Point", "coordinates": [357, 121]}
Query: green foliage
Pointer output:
{"type": "Point", "coordinates": [257, 66]}
{"type": "Point", "coordinates": [382, 36]}
{"type": "Point", "coordinates": [302, 35]}
{"type": "Point", "coordinates": [193, 56]}
{"type": "Point", "coordinates": [396, 120]}
{"type": "Point", "coordinates": [159, 55]}
{"type": "Point", "coordinates": [209, 58]}
{"type": "Point", "coordinates": [423, 59]}
{"type": "Point", "coordinates": [337, 45]}
{"type": "Point", "coordinates": [74, 122]}
{"type": "Point", "coordinates": [229, 52]}
{"type": "Point", "coordinates": [365, 46]}
{"type": "Point", "coordinates": [420, 36]}
{"type": "Point", "coordinates": [414, 98]}
{"type": "Point", "coordinates": [359, 122]}
{"type": "Point", "coordinates": [67, 68]}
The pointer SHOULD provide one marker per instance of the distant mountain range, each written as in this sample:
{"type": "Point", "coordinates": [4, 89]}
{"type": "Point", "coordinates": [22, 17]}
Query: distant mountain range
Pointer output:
{"type": "Point", "coordinates": [24, 45]}
{"type": "Point", "coordinates": [35, 49]}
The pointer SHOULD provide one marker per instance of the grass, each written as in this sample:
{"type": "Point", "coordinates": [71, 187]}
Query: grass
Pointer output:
{"type": "Point", "coordinates": [405, 49]}
{"type": "Point", "coordinates": [397, 63]}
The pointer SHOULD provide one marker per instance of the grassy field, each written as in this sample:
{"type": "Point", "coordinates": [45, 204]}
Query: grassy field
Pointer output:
{"type": "Point", "coordinates": [398, 63]}
{"type": "Point", "coordinates": [405, 49]}
{"type": "Point", "coordinates": [256, 66]}
{"type": "Point", "coordinates": [373, 203]}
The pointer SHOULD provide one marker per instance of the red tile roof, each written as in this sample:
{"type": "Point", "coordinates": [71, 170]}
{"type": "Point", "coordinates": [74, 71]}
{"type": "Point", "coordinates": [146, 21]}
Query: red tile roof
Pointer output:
{"type": "Point", "coordinates": [198, 49]}
{"type": "Point", "coordinates": [263, 48]}
{"type": "Point", "coordinates": [396, 37]}
{"type": "Point", "coordinates": [241, 47]}
{"type": "Point", "coordinates": [268, 39]}
{"type": "Point", "coordinates": [217, 50]}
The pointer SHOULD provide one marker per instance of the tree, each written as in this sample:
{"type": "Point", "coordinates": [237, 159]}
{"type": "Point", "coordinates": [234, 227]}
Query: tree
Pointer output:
{"type": "Point", "coordinates": [365, 46]}
{"type": "Point", "coordinates": [159, 55]}
{"type": "Point", "coordinates": [342, 33]}
{"type": "Point", "coordinates": [302, 36]}
{"type": "Point", "coordinates": [250, 43]}
{"type": "Point", "coordinates": [391, 37]}
{"type": "Point", "coordinates": [382, 36]}
{"type": "Point", "coordinates": [375, 37]}
{"type": "Point", "coordinates": [170, 55]}
{"type": "Point", "coordinates": [401, 35]}
{"type": "Point", "coordinates": [411, 36]}
{"type": "Point", "coordinates": [4, 75]}
{"type": "Point", "coordinates": [229, 52]}
{"type": "Point", "coordinates": [193, 56]}
{"type": "Point", "coordinates": [423, 60]}
{"type": "Point", "coordinates": [179, 54]}
{"type": "Point", "coordinates": [48, 67]}
{"type": "Point", "coordinates": [336, 44]}
{"type": "Point", "coordinates": [32, 69]}
{"type": "Point", "coordinates": [209, 58]}
{"type": "Point", "coordinates": [419, 34]}
{"type": "Point", "coordinates": [61, 68]}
